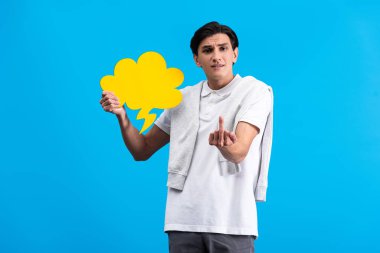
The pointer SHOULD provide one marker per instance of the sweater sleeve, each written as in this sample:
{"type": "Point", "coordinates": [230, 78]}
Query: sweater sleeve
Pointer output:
{"type": "Point", "coordinates": [259, 112]}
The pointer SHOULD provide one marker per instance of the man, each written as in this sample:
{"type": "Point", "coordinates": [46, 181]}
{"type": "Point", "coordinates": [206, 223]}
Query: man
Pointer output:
{"type": "Point", "coordinates": [218, 159]}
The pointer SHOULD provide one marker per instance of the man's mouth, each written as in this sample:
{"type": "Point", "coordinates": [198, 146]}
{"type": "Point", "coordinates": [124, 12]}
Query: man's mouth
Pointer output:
{"type": "Point", "coordinates": [217, 66]}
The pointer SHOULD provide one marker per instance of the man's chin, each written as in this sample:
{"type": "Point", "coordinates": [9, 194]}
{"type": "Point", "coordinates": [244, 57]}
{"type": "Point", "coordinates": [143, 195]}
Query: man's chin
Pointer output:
{"type": "Point", "coordinates": [216, 76]}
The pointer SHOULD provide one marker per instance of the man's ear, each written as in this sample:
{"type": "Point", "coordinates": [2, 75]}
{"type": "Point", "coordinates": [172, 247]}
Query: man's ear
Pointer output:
{"type": "Point", "coordinates": [196, 60]}
{"type": "Point", "coordinates": [236, 53]}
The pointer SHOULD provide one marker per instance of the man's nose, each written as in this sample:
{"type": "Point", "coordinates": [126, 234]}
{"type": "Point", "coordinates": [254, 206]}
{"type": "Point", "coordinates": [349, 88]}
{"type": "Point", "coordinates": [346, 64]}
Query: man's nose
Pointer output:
{"type": "Point", "coordinates": [216, 56]}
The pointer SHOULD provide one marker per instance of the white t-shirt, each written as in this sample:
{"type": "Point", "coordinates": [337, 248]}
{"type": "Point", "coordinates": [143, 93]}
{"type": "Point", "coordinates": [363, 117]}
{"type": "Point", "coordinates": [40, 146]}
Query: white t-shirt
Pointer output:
{"type": "Point", "coordinates": [213, 201]}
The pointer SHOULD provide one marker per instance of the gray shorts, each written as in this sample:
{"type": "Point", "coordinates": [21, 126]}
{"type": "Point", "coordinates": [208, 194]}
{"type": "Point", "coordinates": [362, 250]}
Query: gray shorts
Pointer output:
{"type": "Point", "coordinates": [196, 242]}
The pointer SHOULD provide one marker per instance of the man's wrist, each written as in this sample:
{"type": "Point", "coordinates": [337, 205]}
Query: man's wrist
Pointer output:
{"type": "Point", "coordinates": [230, 153]}
{"type": "Point", "coordinates": [123, 119]}
{"type": "Point", "coordinates": [121, 116]}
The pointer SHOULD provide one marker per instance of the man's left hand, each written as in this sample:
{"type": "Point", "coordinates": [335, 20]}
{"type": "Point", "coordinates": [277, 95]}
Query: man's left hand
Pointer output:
{"type": "Point", "coordinates": [221, 137]}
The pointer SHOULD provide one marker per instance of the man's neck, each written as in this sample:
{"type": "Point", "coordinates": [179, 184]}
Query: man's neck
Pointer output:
{"type": "Point", "coordinates": [219, 84]}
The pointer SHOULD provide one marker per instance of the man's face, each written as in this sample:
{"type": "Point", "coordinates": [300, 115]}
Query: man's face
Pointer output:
{"type": "Point", "coordinates": [216, 57]}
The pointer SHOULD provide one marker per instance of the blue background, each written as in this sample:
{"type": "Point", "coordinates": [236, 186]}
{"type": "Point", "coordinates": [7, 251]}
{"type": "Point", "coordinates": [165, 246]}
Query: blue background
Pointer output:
{"type": "Point", "coordinates": [68, 183]}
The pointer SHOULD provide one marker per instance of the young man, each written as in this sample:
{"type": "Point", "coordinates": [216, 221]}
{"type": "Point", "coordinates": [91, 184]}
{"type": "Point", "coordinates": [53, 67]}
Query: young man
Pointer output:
{"type": "Point", "coordinates": [220, 141]}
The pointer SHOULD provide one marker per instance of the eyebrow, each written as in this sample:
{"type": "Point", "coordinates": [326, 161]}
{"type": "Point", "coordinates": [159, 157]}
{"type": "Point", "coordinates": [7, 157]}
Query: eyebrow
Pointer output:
{"type": "Point", "coordinates": [224, 44]}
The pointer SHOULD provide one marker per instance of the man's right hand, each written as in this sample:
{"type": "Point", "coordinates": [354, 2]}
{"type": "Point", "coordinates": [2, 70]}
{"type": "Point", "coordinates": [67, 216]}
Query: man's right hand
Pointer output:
{"type": "Point", "coordinates": [110, 103]}
{"type": "Point", "coordinates": [141, 147]}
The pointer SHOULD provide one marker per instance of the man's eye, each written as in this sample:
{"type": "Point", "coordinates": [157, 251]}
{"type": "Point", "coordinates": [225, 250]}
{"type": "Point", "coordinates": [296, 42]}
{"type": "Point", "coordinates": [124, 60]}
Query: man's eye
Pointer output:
{"type": "Point", "coordinates": [207, 50]}
{"type": "Point", "coordinates": [223, 48]}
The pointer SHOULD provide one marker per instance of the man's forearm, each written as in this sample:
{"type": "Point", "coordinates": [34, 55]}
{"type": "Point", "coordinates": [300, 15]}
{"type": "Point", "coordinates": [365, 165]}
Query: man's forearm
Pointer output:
{"type": "Point", "coordinates": [134, 141]}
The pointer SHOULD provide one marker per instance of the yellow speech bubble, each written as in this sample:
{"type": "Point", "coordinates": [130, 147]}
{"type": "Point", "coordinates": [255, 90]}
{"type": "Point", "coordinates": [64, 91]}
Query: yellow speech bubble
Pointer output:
{"type": "Point", "coordinates": [145, 85]}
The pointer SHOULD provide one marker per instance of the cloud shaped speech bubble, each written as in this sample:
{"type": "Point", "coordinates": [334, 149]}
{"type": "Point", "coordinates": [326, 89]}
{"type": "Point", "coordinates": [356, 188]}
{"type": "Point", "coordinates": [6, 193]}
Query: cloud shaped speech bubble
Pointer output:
{"type": "Point", "coordinates": [145, 85]}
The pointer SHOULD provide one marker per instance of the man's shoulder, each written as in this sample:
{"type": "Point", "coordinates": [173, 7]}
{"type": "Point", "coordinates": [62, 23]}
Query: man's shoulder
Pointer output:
{"type": "Point", "coordinates": [190, 94]}
{"type": "Point", "coordinates": [255, 83]}
{"type": "Point", "coordinates": [253, 89]}
{"type": "Point", "coordinates": [191, 88]}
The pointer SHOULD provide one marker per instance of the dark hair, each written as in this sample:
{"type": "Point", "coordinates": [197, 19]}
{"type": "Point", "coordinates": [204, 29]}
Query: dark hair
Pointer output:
{"type": "Point", "coordinates": [210, 29]}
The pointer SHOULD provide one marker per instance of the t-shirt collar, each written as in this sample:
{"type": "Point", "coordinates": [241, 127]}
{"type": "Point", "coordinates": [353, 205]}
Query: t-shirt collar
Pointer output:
{"type": "Point", "coordinates": [226, 90]}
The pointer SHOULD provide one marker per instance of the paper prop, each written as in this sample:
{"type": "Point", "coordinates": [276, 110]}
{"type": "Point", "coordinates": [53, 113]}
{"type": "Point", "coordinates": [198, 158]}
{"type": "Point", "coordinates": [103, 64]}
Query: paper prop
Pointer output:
{"type": "Point", "coordinates": [145, 85]}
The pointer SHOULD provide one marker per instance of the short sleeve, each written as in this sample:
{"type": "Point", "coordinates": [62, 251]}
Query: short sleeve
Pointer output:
{"type": "Point", "coordinates": [163, 121]}
{"type": "Point", "coordinates": [257, 112]}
